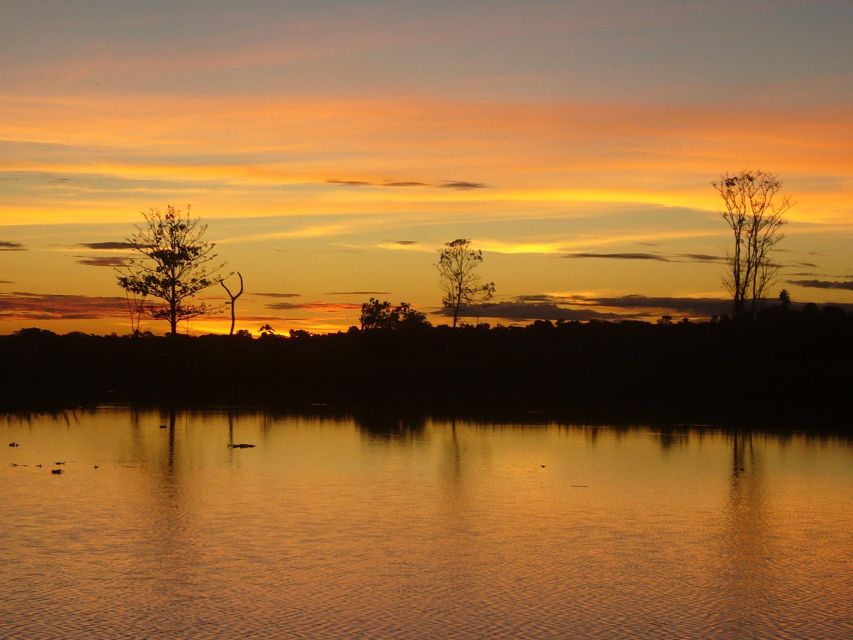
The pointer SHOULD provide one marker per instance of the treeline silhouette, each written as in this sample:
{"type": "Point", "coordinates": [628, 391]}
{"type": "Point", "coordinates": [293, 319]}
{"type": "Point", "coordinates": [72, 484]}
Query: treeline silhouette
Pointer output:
{"type": "Point", "coordinates": [786, 368]}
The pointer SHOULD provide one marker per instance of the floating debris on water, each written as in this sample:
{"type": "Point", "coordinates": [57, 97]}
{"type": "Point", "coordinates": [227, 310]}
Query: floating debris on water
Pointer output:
{"type": "Point", "coordinates": [241, 446]}
{"type": "Point", "coordinates": [56, 472]}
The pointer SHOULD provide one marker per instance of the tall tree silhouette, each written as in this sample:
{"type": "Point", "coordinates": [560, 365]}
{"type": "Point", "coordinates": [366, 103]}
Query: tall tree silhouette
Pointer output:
{"type": "Point", "coordinates": [173, 263]}
{"type": "Point", "coordinates": [457, 268]}
{"type": "Point", "coordinates": [753, 209]}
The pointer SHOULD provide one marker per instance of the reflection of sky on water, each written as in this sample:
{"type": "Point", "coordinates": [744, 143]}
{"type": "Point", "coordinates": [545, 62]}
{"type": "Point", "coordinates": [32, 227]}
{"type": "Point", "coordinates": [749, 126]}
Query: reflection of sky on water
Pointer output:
{"type": "Point", "coordinates": [375, 525]}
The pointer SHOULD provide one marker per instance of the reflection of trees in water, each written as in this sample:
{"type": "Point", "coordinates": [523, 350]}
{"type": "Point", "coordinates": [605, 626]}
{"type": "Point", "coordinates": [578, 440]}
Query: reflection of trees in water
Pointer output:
{"type": "Point", "coordinates": [390, 426]}
{"type": "Point", "coordinates": [453, 463]}
{"type": "Point", "coordinates": [455, 518]}
{"type": "Point", "coordinates": [171, 425]}
{"type": "Point", "coordinates": [747, 534]}
{"type": "Point", "coordinates": [670, 438]}
{"type": "Point", "coordinates": [65, 416]}
{"type": "Point", "coordinates": [170, 525]}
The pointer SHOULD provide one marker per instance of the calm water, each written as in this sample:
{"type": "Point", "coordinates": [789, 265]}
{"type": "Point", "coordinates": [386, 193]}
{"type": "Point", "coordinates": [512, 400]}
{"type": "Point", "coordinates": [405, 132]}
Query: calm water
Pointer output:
{"type": "Point", "coordinates": [339, 528]}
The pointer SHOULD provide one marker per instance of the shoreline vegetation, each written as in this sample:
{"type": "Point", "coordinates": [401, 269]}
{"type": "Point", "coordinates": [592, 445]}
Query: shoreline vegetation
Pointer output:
{"type": "Point", "coordinates": [787, 369]}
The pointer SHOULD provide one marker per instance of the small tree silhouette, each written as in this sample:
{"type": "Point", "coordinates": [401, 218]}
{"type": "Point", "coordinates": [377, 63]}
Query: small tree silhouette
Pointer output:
{"type": "Point", "coordinates": [457, 269]}
{"type": "Point", "coordinates": [173, 263]}
{"type": "Point", "coordinates": [267, 330]}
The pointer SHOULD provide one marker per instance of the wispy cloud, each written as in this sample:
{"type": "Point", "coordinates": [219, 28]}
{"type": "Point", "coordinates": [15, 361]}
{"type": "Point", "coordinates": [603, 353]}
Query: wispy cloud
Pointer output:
{"type": "Point", "coordinates": [350, 183]}
{"type": "Point", "coordinates": [405, 242]}
{"type": "Point", "coordinates": [20, 305]}
{"type": "Point", "coordinates": [823, 284]}
{"type": "Point", "coordinates": [277, 295]}
{"type": "Point", "coordinates": [659, 257]}
{"type": "Point", "coordinates": [104, 261]}
{"type": "Point", "coordinates": [629, 307]}
{"type": "Point", "coordinates": [521, 310]}
{"type": "Point", "coordinates": [620, 256]}
{"type": "Point", "coordinates": [8, 245]}
{"type": "Point", "coordinates": [358, 293]}
{"type": "Point", "coordinates": [109, 246]}
{"type": "Point", "coordinates": [693, 306]}
{"type": "Point", "coordinates": [407, 246]}
{"type": "Point", "coordinates": [462, 185]}
{"type": "Point", "coordinates": [701, 257]}
{"type": "Point", "coordinates": [320, 305]}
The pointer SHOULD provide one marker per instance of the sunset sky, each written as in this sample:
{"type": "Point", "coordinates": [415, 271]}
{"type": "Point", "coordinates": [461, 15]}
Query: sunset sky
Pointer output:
{"type": "Point", "coordinates": [332, 147]}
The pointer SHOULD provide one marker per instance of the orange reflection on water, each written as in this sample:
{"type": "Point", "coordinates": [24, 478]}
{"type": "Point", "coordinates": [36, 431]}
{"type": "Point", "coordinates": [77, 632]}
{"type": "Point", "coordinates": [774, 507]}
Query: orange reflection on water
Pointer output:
{"type": "Point", "coordinates": [343, 526]}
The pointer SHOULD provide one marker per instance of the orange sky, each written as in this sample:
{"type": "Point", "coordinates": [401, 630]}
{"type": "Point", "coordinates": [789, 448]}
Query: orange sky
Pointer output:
{"type": "Point", "coordinates": [314, 139]}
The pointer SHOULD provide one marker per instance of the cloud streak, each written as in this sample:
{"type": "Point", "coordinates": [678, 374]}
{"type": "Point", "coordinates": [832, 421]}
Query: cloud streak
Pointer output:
{"type": "Point", "coordinates": [657, 257]}
{"type": "Point", "coordinates": [460, 185]}
{"type": "Point", "coordinates": [104, 261]}
{"type": "Point", "coordinates": [109, 246]}
{"type": "Point", "coordinates": [823, 284]}
{"type": "Point", "coordinates": [627, 307]}
{"type": "Point", "coordinates": [350, 183]}
{"type": "Point", "coordinates": [620, 256]}
{"type": "Point", "coordinates": [277, 295]}
{"type": "Point", "coordinates": [20, 305]}
{"type": "Point", "coordinates": [521, 310]}
{"type": "Point", "coordinates": [8, 245]}
{"type": "Point", "coordinates": [320, 305]}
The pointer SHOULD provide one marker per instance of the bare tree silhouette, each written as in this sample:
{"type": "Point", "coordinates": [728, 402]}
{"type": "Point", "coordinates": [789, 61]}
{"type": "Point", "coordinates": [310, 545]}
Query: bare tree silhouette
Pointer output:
{"type": "Point", "coordinates": [233, 302]}
{"type": "Point", "coordinates": [753, 211]}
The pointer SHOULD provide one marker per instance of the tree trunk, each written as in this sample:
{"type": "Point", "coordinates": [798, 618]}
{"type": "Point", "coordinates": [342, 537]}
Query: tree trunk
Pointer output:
{"type": "Point", "coordinates": [173, 318]}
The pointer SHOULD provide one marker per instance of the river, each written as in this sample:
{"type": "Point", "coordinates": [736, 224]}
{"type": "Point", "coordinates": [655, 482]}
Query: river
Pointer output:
{"type": "Point", "coordinates": [335, 526]}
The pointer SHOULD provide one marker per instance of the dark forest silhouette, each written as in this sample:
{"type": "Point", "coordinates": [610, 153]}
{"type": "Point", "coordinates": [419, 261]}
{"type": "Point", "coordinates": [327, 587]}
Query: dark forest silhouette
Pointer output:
{"type": "Point", "coordinates": [789, 365]}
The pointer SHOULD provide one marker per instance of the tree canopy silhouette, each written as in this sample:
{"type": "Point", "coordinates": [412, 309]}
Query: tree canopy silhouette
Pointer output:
{"type": "Point", "coordinates": [173, 263]}
{"type": "Point", "coordinates": [753, 209]}
{"type": "Point", "coordinates": [381, 315]}
{"type": "Point", "coordinates": [457, 268]}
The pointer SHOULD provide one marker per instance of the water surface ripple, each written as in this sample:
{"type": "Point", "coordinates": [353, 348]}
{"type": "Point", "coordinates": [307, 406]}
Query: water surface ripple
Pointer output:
{"type": "Point", "coordinates": [333, 528]}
